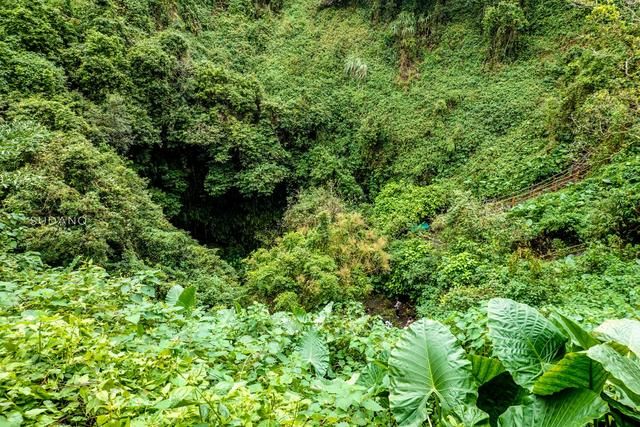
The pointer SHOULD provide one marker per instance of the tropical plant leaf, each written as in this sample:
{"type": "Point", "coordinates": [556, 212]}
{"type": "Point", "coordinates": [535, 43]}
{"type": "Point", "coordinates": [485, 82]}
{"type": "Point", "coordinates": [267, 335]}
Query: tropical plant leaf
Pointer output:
{"type": "Point", "coordinates": [523, 340]}
{"type": "Point", "coordinates": [373, 375]}
{"type": "Point", "coordinates": [484, 368]}
{"type": "Point", "coordinates": [575, 370]}
{"type": "Point", "coordinates": [623, 331]}
{"type": "Point", "coordinates": [622, 394]}
{"type": "Point", "coordinates": [181, 297]}
{"type": "Point", "coordinates": [315, 352]}
{"type": "Point", "coordinates": [624, 369]}
{"type": "Point", "coordinates": [427, 362]}
{"type": "Point", "coordinates": [569, 408]}
{"type": "Point", "coordinates": [623, 409]}
{"type": "Point", "coordinates": [577, 335]}
{"type": "Point", "coordinates": [173, 295]}
{"type": "Point", "coordinates": [187, 298]}
{"type": "Point", "coordinates": [467, 416]}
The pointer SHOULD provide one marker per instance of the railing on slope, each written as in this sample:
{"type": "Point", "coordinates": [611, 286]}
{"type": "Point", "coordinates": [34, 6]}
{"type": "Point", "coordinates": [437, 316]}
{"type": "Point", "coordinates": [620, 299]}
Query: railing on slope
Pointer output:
{"type": "Point", "coordinates": [553, 183]}
{"type": "Point", "coordinates": [566, 251]}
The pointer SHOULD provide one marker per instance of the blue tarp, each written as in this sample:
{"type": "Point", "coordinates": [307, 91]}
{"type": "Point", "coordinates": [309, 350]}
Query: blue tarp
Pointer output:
{"type": "Point", "coordinates": [420, 227]}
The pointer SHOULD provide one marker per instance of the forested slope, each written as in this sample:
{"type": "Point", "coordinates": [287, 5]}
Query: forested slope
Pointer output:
{"type": "Point", "coordinates": [225, 212]}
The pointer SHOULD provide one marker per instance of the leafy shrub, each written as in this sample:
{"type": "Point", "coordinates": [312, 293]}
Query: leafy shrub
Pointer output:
{"type": "Point", "coordinates": [598, 206]}
{"type": "Point", "coordinates": [157, 59]}
{"type": "Point", "coordinates": [36, 26]}
{"type": "Point", "coordinates": [333, 259]}
{"type": "Point", "coordinates": [602, 119]}
{"type": "Point", "coordinates": [51, 176]}
{"type": "Point", "coordinates": [123, 125]}
{"type": "Point", "coordinates": [324, 165]}
{"type": "Point", "coordinates": [463, 298]}
{"type": "Point", "coordinates": [30, 73]}
{"type": "Point", "coordinates": [101, 65]}
{"type": "Point", "coordinates": [103, 340]}
{"type": "Point", "coordinates": [469, 223]}
{"type": "Point", "coordinates": [413, 268]}
{"type": "Point", "coordinates": [55, 114]}
{"type": "Point", "coordinates": [458, 270]}
{"type": "Point", "coordinates": [212, 85]}
{"type": "Point", "coordinates": [503, 25]}
{"type": "Point", "coordinates": [400, 205]}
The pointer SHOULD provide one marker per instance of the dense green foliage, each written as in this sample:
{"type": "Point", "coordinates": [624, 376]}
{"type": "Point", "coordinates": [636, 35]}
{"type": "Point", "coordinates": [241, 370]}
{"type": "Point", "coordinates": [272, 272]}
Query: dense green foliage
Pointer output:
{"type": "Point", "coordinates": [215, 212]}
{"type": "Point", "coordinates": [333, 257]}
{"type": "Point", "coordinates": [560, 374]}
{"type": "Point", "coordinates": [83, 347]}
{"type": "Point", "coordinates": [68, 199]}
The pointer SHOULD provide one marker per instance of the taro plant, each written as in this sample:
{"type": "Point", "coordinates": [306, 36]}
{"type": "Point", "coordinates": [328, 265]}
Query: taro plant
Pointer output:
{"type": "Point", "coordinates": [429, 366]}
{"type": "Point", "coordinates": [543, 372]}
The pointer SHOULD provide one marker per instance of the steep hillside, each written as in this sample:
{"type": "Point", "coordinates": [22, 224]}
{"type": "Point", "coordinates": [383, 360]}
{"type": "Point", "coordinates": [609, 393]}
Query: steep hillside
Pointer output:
{"type": "Point", "coordinates": [319, 212]}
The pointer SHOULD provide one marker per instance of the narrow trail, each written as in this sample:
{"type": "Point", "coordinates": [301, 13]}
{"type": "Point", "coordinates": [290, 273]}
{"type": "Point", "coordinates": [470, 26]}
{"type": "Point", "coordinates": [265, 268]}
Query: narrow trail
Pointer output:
{"type": "Point", "coordinates": [573, 174]}
{"type": "Point", "coordinates": [576, 172]}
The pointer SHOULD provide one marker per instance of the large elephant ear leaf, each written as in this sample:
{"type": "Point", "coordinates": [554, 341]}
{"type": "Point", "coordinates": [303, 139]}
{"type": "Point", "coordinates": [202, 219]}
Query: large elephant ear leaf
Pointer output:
{"type": "Point", "coordinates": [467, 416]}
{"type": "Point", "coordinates": [523, 340]}
{"type": "Point", "coordinates": [315, 352]}
{"type": "Point", "coordinates": [181, 297]}
{"type": "Point", "coordinates": [426, 363]}
{"type": "Point", "coordinates": [624, 371]}
{"type": "Point", "coordinates": [485, 368]}
{"type": "Point", "coordinates": [187, 298]}
{"type": "Point", "coordinates": [569, 408]}
{"type": "Point", "coordinates": [579, 336]}
{"type": "Point", "coordinates": [173, 295]}
{"type": "Point", "coordinates": [374, 375]}
{"type": "Point", "coordinates": [575, 370]}
{"type": "Point", "coordinates": [622, 331]}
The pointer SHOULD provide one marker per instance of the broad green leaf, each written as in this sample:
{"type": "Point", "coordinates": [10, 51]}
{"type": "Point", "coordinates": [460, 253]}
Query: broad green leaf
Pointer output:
{"type": "Point", "coordinates": [623, 331]}
{"type": "Point", "coordinates": [523, 340]}
{"type": "Point", "coordinates": [569, 408]}
{"type": "Point", "coordinates": [426, 363]}
{"type": "Point", "coordinates": [173, 295]}
{"type": "Point", "coordinates": [577, 335]}
{"type": "Point", "coordinates": [133, 318]}
{"type": "Point", "coordinates": [624, 369]}
{"type": "Point", "coordinates": [181, 297]}
{"type": "Point", "coordinates": [622, 394]}
{"type": "Point", "coordinates": [203, 410]}
{"type": "Point", "coordinates": [324, 313]}
{"type": "Point", "coordinates": [466, 416]}
{"type": "Point", "coordinates": [187, 298]}
{"type": "Point", "coordinates": [626, 411]}
{"type": "Point", "coordinates": [315, 352]}
{"type": "Point", "coordinates": [13, 419]}
{"type": "Point", "coordinates": [576, 370]}
{"type": "Point", "coordinates": [485, 368]}
{"type": "Point", "coordinates": [373, 375]}
{"type": "Point", "coordinates": [32, 413]}
{"type": "Point", "coordinates": [372, 405]}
